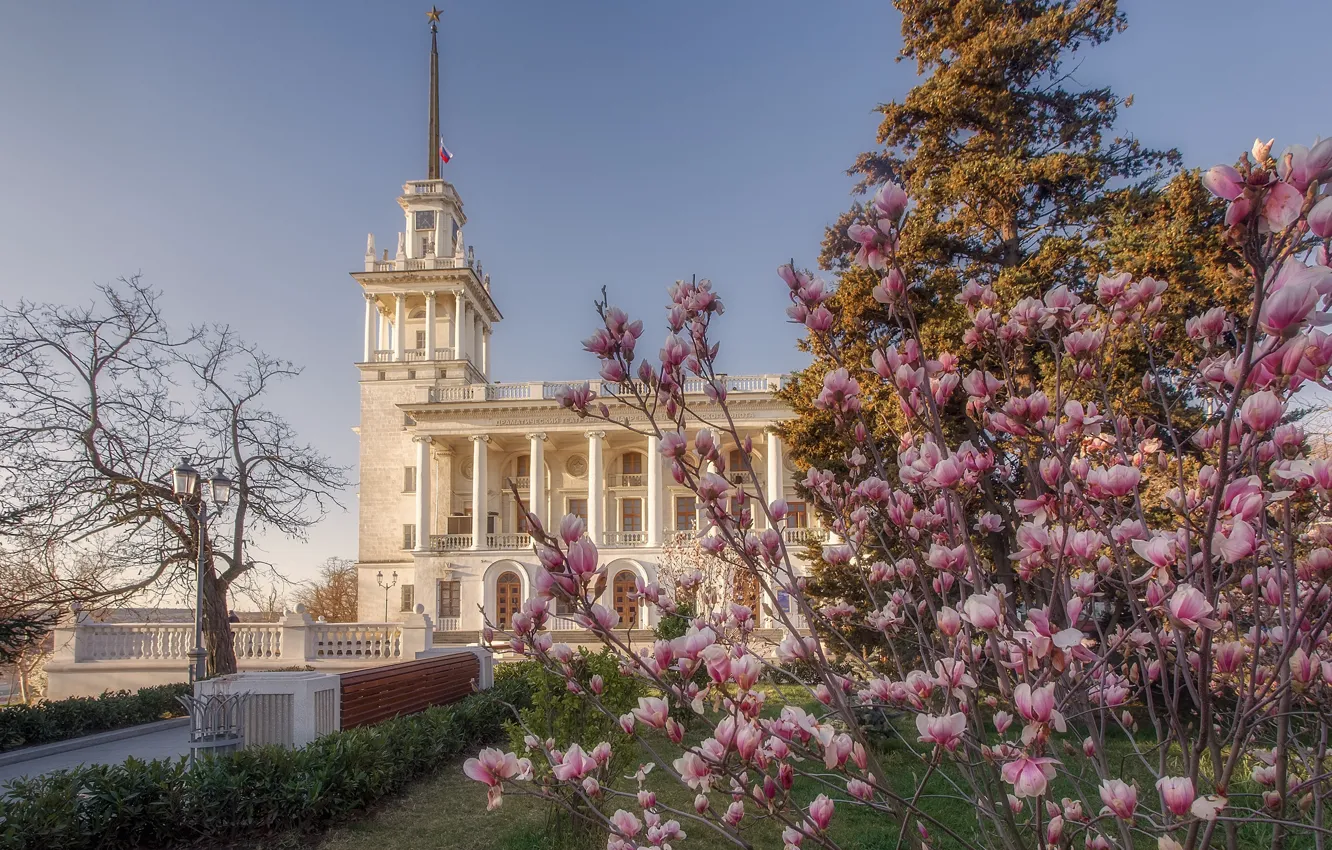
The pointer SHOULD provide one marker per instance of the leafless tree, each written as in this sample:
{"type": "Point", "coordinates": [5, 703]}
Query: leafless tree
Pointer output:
{"type": "Point", "coordinates": [97, 402]}
{"type": "Point", "coordinates": [333, 595]}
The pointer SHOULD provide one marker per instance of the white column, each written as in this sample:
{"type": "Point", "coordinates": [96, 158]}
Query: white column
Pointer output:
{"type": "Point", "coordinates": [430, 326]}
{"type": "Point", "coordinates": [440, 230]}
{"type": "Point", "coordinates": [485, 351]}
{"type": "Point", "coordinates": [775, 485]}
{"type": "Point", "coordinates": [653, 518]}
{"type": "Point", "coordinates": [479, 490]}
{"type": "Point", "coordinates": [411, 235]}
{"type": "Point", "coordinates": [596, 487]}
{"type": "Point", "coordinates": [384, 337]}
{"type": "Point", "coordinates": [459, 323]}
{"type": "Point", "coordinates": [476, 340]}
{"type": "Point", "coordinates": [536, 471]}
{"type": "Point", "coordinates": [424, 511]}
{"type": "Point", "coordinates": [371, 314]}
{"type": "Point", "coordinates": [400, 327]}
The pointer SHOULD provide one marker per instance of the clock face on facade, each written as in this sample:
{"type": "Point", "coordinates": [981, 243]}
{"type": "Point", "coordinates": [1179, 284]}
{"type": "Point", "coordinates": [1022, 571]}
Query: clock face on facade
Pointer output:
{"type": "Point", "coordinates": [425, 219]}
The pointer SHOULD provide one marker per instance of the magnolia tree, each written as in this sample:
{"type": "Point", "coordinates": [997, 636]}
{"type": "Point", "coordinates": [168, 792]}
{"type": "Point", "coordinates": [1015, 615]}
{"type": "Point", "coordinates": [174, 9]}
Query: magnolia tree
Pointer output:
{"type": "Point", "coordinates": [1155, 671]}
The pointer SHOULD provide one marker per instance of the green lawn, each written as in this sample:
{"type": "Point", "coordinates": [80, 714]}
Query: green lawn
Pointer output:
{"type": "Point", "coordinates": [447, 810]}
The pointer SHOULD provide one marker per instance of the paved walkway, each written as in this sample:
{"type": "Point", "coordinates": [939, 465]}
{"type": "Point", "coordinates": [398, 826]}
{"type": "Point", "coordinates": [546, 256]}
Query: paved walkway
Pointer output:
{"type": "Point", "coordinates": [163, 744]}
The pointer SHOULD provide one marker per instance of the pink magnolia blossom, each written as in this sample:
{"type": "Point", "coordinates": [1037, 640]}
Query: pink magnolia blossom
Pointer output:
{"type": "Point", "coordinates": [1029, 776]}
{"type": "Point", "coordinates": [983, 610]}
{"type": "Point", "coordinates": [575, 764]}
{"type": "Point", "coordinates": [1190, 608]}
{"type": "Point", "coordinates": [653, 711]}
{"type": "Point", "coordinates": [945, 731]}
{"type": "Point", "coordinates": [821, 811]}
{"type": "Point", "coordinates": [1176, 793]}
{"type": "Point", "coordinates": [1320, 218]}
{"type": "Point", "coordinates": [1223, 181]}
{"type": "Point", "coordinates": [1120, 798]}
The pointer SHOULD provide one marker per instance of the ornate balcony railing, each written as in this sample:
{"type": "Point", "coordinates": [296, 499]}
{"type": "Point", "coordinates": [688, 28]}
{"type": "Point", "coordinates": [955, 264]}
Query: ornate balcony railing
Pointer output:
{"type": "Point", "coordinates": [417, 264]}
{"type": "Point", "coordinates": [550, 389]}
{"type": "Point", "coordinates": [450, 542]}
{"type": "Point", "coordinates": [563, 624]}
{"type": "Point", "coordinates": [804, 535]}
{"type": "Point", "coordinates": [632, 479]}
{"type": "Point", "coordinates": [508, 541]}
{"type": "Point", "coordinates": [355, 640]}
{"type": "Point", "coordinates": [624, 538]}
{"type": "Point", "coordinates": [448, 624]}
{"type": "Point", "coordinates": [257, 640]}
{"type": "Point", "coordinates": [522, 482]}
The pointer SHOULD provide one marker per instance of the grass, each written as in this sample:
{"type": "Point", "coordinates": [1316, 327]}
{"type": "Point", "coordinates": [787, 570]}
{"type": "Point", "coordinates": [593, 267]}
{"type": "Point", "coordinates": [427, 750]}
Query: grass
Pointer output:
{"type": "Point", "coordinates": [448, 810]}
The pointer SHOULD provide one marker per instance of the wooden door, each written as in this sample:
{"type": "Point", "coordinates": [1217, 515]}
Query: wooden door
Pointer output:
{"type": "Point", "coordinates": [508, 598]}
{"type": "Point", "coordinates": [746, 591]}
{"type": "Point", "coordinates": [625, 605]}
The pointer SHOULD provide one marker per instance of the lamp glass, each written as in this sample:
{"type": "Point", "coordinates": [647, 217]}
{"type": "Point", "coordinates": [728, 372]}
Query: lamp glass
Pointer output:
{"type": "Point", "coordinates": [184, 478]}
{"type": "Point", "coordinates": [220, 485]}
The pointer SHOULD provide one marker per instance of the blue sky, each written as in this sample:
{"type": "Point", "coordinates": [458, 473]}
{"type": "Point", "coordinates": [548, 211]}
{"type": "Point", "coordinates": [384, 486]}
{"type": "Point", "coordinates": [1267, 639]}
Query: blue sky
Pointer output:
{"type": "Point", "coordinates": [237, 154]}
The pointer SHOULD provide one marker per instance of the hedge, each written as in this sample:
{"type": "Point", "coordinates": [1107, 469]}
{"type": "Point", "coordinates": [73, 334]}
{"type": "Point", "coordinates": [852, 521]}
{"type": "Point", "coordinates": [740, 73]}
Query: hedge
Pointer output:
{"type": "Point", "coordinates": [56, 720]}
{"type": "Point", "coordinates": [250, 794]}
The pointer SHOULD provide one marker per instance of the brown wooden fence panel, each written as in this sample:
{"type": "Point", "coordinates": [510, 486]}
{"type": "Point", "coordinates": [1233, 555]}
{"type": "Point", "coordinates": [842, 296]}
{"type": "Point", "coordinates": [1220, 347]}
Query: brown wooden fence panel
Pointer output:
{"type": "Point", "coordinates": [379, 693]}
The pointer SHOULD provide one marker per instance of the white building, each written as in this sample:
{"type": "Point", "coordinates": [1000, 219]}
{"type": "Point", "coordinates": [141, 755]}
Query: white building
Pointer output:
{"type": "Point", "coordinates": [442, 446]}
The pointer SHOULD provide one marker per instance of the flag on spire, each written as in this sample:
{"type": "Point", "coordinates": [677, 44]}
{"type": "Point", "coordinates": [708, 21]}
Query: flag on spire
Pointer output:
{"type": "Point", "coordinates": [444, 153]}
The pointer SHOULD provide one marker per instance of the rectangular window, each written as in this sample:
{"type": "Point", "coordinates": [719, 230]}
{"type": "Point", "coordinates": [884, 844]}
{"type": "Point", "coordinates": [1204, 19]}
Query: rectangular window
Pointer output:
{"type": "Point", "coordinates": [408, 597]}
{"type": "Point", "coordinates": [578, 507]}
{"type": "Point", "coordinates": [382, 375]}
{"type": "Point", "coordinates": [411, 374]}
{"type": "Point", "coordinates": [409, 479]}
{"type": "Point", "coordinates": [631, 514]}
{"type": "Point", "coordinates": [796, 516]}
{"type": "Point", "coordinates": [420, 339]}
{"type": "Point", "coordinates": [450, 598]}
{"type": "Point", "coordinates": [409, 536]}
{"type": "Point", "coordinates": [520, 521]}
{"type": "Point", "coordinates": [686, 513]}
{"type": "Point", "coordinates": [460, 525]}
{"type": "Point", "coordinates": [632, 464]}
{"type": "Point", "coordinates": [524, 466]}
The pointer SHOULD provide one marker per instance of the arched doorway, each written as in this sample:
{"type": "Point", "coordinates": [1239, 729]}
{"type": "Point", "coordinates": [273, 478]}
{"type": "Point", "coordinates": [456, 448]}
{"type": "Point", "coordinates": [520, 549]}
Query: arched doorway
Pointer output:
{"type": "Point", "coordinates": [621, 595]}
{"type": "Point", "coordinates": [508, 598]}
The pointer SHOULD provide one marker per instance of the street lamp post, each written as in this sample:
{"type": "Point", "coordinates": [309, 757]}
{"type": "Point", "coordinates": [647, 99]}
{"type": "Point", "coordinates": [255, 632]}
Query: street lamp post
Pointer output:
{"type": "Point", "coordinates": [189, 488]}
{"type": "Point", "coordinates": [379, 578]}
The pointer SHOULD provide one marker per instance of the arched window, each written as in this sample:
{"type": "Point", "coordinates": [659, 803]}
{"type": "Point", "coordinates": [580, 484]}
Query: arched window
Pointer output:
{"type": "Point", "coordinates": [508, 598]}
{"type": "Point", "coordinates": [625, 605]}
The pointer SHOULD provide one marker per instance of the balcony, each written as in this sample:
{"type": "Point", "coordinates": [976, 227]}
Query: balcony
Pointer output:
{"type": "Point", "coordinates": [411, 355]}
{"type": "Point", "coordinates": [633, 479]}
{"type": "Point", "coordinates": [740, 384]}
{"type": "Point", "coordinates": [624, 538]}
{"type": "Point", "coordinates": [457, 542]}
{"type": "Point", "coordinates": [450, 542]}
{"type": "Point", "coordinates": [417, 264]}
{"type": "Point", "coordinates": [522, 482]}
{"type": "Point", "coordinates": [804, 535]}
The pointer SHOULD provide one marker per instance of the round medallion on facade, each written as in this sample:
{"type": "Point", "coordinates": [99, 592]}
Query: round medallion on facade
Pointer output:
{"type": "Point", "coordinates": [467, 470]}
{"type": "Point", "coordinates": [577, 466]}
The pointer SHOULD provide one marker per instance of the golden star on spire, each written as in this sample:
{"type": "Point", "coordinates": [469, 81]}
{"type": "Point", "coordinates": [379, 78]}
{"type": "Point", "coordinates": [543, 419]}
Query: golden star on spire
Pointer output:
{"type": "Point", "coordinates": [433, 15]}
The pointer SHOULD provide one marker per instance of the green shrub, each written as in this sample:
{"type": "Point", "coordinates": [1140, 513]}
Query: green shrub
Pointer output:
{"type": "Point", "coordinates": [570, 718]}
{"type": "Point", "coordinates": [249, 794]}
{"type": "Point", "coordinates": [56, 720]}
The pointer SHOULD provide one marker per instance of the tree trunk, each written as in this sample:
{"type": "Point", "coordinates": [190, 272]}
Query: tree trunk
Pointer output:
{"type": "Point", "coordinates": [216, 628]}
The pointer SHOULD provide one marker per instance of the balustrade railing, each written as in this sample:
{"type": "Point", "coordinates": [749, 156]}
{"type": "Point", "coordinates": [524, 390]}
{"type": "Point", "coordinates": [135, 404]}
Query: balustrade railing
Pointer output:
{"type": "Point", "coordinates": [522, 482]}
{"type": "Point", "coordinates": [563, 624]}
{"type": "Point", "coordinates": [116, 641]}
{"type": "Point", "coordinates": [508, 541]}
{"type": "Point", "coordinates": [624, 538]}
{"type": "Point", "coordinates": [443, 353]}
{"type": "Point", "coordinates": [414, 354]}
{"type": "Point", "coordinates": [551, 389]}
{"type": "Point", "coordinates": [383, 355]}
{"type": "Point", "coordinates": [629, 480]}
{"type": "Point", "coordinates": [355, 640]}
{"type": "Point", "coordinates": [257, 640]}
{"type": "Point", "coordinates": [448, 624]}
{"type": "Point", "coordinates": [804, 535]}
{"type": "Point", "coordinates": [450, 542]}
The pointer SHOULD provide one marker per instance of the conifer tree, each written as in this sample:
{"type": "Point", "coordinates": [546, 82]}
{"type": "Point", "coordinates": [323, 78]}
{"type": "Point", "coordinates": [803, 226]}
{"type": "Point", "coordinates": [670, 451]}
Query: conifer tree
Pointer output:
{"type": "Point", "coordinates": [1020, 182]}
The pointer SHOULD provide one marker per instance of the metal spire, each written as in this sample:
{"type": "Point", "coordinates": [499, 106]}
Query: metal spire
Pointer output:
{"type": "Point", "coordinates": [432, 144]}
